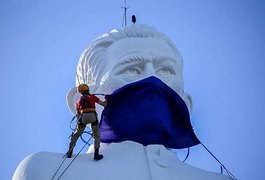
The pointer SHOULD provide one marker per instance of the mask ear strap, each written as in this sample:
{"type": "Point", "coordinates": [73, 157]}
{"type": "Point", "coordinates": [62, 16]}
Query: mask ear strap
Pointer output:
{"type": "Point", "coordinates": [188, 100]}
{"type": "Point", "coordinates": [188, 153]}
{"type": "Point", "coordinates": [71, 98]}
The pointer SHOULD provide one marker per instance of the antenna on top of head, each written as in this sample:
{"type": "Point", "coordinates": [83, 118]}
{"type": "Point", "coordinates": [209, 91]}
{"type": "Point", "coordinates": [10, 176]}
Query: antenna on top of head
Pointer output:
{"type": "Point", "coordinates": [124, 18]}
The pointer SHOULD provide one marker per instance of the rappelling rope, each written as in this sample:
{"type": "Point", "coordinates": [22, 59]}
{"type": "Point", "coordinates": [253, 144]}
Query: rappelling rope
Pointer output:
{"type": "Point", "coordinates": [222, 166]}
{"type": "Point", "coordinates": [100, 94]}
{"type": "Point", "coordinates": [64, 157]}
{"type": "Point", "coordinates": [73, 129]}
{"type": "Point", "coordinates": [74, 158]}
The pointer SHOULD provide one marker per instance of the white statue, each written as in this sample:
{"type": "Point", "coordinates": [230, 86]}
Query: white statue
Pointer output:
{"type": "Point", "coordinates": [113, 60]}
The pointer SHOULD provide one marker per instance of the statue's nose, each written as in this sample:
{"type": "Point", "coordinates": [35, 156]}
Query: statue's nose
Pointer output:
{"type": "Point", "coordinates": [149, 70]}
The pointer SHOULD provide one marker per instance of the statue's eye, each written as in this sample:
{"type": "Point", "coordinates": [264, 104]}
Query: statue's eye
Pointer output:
{"type": "Point", "coordinates": [131, 71]}
{"type": "Point", "coordinates": [164, 72]}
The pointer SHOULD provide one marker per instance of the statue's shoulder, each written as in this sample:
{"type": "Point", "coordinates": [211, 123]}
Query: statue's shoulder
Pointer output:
{"type": "Point", "coordinates": [37, 165]}
{"type": "Point", "coordinates": [125, 160]}
{"type": "Point", "coordinates": [43, 166]}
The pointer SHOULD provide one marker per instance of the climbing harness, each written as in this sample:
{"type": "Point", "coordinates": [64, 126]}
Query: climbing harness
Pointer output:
{"type": "Point", "coordinates": [64, 157]}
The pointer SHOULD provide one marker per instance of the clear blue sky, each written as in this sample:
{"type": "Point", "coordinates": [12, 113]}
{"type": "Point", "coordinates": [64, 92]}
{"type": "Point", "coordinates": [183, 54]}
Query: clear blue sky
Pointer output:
{"type": "Point", "coordinates": [222, 43]}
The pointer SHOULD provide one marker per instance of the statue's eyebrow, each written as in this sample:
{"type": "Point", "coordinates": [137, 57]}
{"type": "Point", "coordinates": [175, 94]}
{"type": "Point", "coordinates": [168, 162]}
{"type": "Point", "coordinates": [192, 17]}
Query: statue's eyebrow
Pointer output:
{"type": "Point", "coordinates": [129, 61]}
{"type": "Point", "coordinates": [133, 59]}
{"type": "Point", "coordinates": [138, 59]}
{"type": "Point", "coordinates": [163, 59]}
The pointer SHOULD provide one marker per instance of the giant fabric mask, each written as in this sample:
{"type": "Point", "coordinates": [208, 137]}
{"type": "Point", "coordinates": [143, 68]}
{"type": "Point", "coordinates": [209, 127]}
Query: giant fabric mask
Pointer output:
{"type": "Point", "coordinates": [148, 112]}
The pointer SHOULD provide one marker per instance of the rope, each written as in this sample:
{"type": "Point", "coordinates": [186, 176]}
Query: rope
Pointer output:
{"type": "Point", "coordinates": [64, 157]}
{"type": "Point", "coordinates": [73, 129]}
{"type": "Point", "coordinates": [222, 166]}
{"type": "Point", "coordinates": [74, 158]}
{"type": "Point", "coordinates": [188, 153]}
{"type": "Point", "coordinates": [99, 94]}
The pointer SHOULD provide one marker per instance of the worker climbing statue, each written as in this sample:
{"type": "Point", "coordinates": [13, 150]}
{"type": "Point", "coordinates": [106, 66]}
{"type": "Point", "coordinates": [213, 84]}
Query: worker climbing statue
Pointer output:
{"type": "Point", "coordinates": [86, 113]}
{"type": "Point", "coordinates": [147, 114]}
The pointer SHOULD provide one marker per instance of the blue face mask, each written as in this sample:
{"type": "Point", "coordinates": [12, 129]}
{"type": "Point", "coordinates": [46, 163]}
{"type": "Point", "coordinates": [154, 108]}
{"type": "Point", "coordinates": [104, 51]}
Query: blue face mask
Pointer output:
{"type": "Point", "coordinates": [148, 112]}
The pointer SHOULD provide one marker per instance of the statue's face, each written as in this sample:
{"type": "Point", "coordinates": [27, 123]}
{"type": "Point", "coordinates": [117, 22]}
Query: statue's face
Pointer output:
{"type": "Point", "coordinates": [133, 59]}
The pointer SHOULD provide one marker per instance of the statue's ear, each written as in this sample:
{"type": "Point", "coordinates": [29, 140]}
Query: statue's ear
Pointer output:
{"type": "Point", "coordinates": [188, 100]}
{"type": "Point", "coordinates": [71, 99]}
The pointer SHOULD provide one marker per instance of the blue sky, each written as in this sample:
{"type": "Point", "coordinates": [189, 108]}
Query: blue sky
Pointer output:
{"type": "Point", "coordinates": [222, 44]}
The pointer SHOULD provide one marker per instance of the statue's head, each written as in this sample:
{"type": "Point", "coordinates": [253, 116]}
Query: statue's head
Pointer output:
{"type": "Point", "coordinates": [126, 55]}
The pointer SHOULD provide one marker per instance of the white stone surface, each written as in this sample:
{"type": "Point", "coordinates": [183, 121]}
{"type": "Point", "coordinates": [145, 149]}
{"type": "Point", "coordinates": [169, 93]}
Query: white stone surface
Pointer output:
{"type": "Point", "coordinates": [126, 160]}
